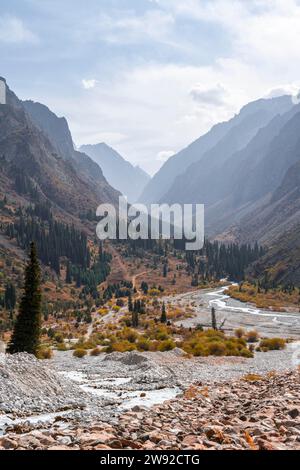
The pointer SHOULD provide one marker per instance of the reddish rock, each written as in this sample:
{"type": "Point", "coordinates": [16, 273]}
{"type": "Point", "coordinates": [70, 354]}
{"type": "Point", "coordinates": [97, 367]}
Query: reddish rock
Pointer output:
{"type": "Point", "coordinates": [8, 443]}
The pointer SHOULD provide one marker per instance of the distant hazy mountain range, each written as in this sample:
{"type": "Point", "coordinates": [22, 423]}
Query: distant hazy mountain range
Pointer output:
{"type": "Point", "coordinates": [211, 150]}
{"type": "Point", "coordinates": [247, 173]}
{"type": "Point", "coordinates": [128, 179]}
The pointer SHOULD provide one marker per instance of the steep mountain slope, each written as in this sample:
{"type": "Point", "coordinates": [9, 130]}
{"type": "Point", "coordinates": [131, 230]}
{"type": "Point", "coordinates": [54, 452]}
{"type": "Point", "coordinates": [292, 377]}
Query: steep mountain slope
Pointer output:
{"type": "Point", "coordinates": [279, 212]}
{"type": "Point", "coordinates": [29, 154]}
{"type": "Point", "coordinates": [282, 260]}
{"type": "Point", "coordinates": [274, 203]}
{"type": "Point", "coordinates": [274, 221]}
{"type": "Point", "coordinates": [57, 131]}
{"type": "Point", "coordinates": [211, 149]}
{"type": "Point", "coordinates": [201, 182]}
{"type": "Point", "coordinates": [120, 174]}
{"type": "Point", "coordinates": [246, 177]}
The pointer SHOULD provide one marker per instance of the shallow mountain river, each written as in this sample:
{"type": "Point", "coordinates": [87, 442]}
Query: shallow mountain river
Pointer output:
{"type": "Point", "coordinates": [236, 314]}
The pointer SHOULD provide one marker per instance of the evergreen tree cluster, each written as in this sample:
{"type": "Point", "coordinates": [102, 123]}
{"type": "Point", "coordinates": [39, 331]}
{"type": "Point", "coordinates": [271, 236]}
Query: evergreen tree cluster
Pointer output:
{"type": "Point", "coordinates": [10, 297]}
{"type": "Point", "coordinates": [217, 260]}
{"type": "Point", "coordinates": [42, 210]}
{"type": "Point", "coordinates": [119, 290]}
{"type": "Point", "coordinates": [139, 306]}
{"type": "Point", "coordinates": [90, 278]}
{"type": "Point", "coordinates": [137, 309]}
{"type": "Point", "coordinates": [3, 202]}
{"type": "Point", "coordinates": [24, 184]}
{"type": "Point", "coordinates": [53, 240]}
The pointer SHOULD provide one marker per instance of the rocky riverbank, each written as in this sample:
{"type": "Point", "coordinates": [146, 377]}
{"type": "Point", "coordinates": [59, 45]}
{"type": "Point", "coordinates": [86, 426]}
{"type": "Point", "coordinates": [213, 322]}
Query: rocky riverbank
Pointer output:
{"type": "Point", "coordinates": [137, 400]}
{"type": "Point", "coordinates": [258, 413]}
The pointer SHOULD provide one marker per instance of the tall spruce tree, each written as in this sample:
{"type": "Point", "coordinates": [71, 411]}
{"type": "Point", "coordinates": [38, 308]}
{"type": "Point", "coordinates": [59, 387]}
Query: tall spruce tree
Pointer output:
{"type": "Point", "coordinates": [27, 329]}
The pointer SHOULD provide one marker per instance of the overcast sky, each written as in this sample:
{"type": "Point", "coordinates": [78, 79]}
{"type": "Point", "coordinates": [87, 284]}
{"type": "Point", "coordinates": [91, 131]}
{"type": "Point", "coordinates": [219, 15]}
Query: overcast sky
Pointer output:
{"type": "Point", "coordinates": [148, 76]}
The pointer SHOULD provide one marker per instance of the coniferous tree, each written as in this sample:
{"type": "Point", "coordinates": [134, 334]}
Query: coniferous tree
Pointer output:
{"type": "Point", "coordinates": [68, 274]}
{"type": "Point", "coordinates": [27, 329]}
{"type": "Point", "coordinates": [10, 297]}
{"type": "Point", "coordinates": [130, 306]}
{"type": "Point", "coordinates": [135, 318]}
{"type": "Point", "coordinates": [144, 287]}
{"type": "Point", "coordinates": [163, 318]}
{"type": "Point", "coordinates": [165, 271]}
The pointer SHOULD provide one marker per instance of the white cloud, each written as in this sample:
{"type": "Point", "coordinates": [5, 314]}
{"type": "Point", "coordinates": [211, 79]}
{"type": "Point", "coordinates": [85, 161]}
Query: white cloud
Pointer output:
{"type": "Point", "coordinates": [130, 28]}
{"type": "Point", "coordinates": [14, 31]}
{"type": "Point", "coordinates": [209, 96]}
{"type": "Point", "coordinates": [292, 89]}
{"type": "Point", "coordinates": [89, 84]}
{"type": "Point", "coordinates": [152, 107]}
{"type": "Point", "coordinates": [262, 31]}
{"type": "Point", "coordinates": [164, 155]}
{"type": "Point", "coordinates": [168, 105]}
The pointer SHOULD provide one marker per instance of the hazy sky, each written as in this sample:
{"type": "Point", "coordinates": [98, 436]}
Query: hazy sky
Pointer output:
{"type": "Point", "coordinates": [148, 76]}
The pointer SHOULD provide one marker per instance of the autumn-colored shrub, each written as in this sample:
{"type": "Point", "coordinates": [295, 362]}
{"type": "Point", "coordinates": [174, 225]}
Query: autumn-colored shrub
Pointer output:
{"type": "Point", "coordinates": [154, 292]}
{"type": "Point", "coordinates": [59, 337]}
{"type": "Point", "coordinates": [95, 352]}
{"type": "Point", "coordinates": [121, 346]}
{"type": "Point", "coordinates": [272, 344]}
{"type": "Point", "coordinates": [166, 345]}
{"type": "Point", "coordinates": [129, 334]}
{"type": "Point", "coordinates": [252, 378]}
{"type": "Point", "coordinates": [143, 344]}
{"type": "Point", "coordinates": [239, 332]}
{"type": "Point", "coordinates": [45, 353]}
{"type": "Point", "coordinates": [252, 336]}
{"type": "Point", "coordinates": [216, 348]}
{"type": "Point", "coordinates": [245, 352]}
{"type": "Point", "coordinates": [79, 353]}
{"type": "Point", "coordinates": [212, 342]}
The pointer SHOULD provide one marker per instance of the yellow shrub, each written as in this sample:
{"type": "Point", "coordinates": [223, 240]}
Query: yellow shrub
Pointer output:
{"type": "Point", "coordinates": [211, 342]}
{"type": "Point", "coordinates": [95, 352]}
{"type": "Point", "coordinates": [239, 332]}
{"type": "Point", "coordinates": [79, 353]}
{"type": "Point", "coordinates": [166, 345]}
{"type": "Point", "coordinates": [143, 344]}
{"type": "Point", "coordinates": [121, 346]}
{"type": "Point", "coordinates": [252, 336]}
{"type": "Point", "coordinates": [154, 292]}
{"type": "Point", "coordinates": [272, 344]}
{"type": "Point", "coordinates": [45, 353]}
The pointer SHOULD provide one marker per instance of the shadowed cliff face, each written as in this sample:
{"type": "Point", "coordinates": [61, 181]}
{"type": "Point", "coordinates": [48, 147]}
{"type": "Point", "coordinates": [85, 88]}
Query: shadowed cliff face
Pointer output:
{"type": "Point", "coordinates": [57, 131]}
{"type": "Point", "coordinates": [54, 169]}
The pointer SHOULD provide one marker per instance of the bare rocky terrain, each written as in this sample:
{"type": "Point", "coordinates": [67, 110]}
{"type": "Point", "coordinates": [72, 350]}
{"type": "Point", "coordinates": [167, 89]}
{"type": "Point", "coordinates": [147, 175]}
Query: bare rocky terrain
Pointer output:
{"type": "Point", "coordinates": [257, 414]}
{"type": "Point", "coordinates": [150, 400]}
